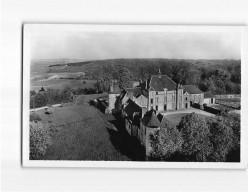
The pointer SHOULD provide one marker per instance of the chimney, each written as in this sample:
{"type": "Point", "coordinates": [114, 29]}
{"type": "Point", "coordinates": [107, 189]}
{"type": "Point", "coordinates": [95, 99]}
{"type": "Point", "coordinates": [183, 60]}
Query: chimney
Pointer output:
{"type": "Point", "coordinates": [144, 110]}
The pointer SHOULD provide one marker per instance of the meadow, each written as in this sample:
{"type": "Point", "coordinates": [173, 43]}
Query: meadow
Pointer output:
{"type": "Point", "coordinates": [229, 102]}
{"type": "Point", "coordinates": [84, 133]}
{"type": "Point", "coordinates": [61, 84]}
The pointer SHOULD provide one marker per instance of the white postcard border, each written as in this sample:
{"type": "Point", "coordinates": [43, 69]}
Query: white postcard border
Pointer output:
{"type": "Point", "coordinates": [28, 31]}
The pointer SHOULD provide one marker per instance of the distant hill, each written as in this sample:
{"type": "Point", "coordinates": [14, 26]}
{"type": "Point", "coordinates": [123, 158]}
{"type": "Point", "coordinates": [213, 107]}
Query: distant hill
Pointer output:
{"type": "Point", "coordinates": [141, 68]}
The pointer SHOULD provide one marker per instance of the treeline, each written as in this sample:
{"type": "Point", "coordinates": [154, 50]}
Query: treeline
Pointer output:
{"type": "Point", "coordinates": [56, 96]}
{"type": "Point", "coordinates": [217, 79]}
{"type": "Point", "coordinates": [199, 140]}
{"type": "Point", "coordinates": [217, 76]}
{"type": "Point", "coordinates": [49, 97]}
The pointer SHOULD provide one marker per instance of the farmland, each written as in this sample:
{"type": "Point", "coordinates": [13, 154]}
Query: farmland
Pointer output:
{"type": "Point", "coordinates": [84, 133]}
{"type": "Point", "coordinates": [61, 83]}
{"type": "Point", "coordinates": [229, 102]}
{"type": "Point", "coordinates": [40, 77]}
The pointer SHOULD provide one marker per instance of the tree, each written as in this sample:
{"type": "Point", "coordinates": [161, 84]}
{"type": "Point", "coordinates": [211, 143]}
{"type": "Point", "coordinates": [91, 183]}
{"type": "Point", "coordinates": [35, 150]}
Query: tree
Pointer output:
{"type": "Point", "coordinates": [32, 92]}
{"type": "Point", "coordinates": [221, 138]}
{"type": "Point", "coordinates": [39, 139]}
{"type": "Point", "coordinates": [193, 77]}
{"type": "Point", "coordinates": [165, 142]}
{"type": "Point", "coordinates": [125, 78]}
{"type": "Point", "coordinates": [104, 83]}
{"type": "Point", "coordinates": [196, 135]}
{"type": "Point", "coordinates": [233, 121]}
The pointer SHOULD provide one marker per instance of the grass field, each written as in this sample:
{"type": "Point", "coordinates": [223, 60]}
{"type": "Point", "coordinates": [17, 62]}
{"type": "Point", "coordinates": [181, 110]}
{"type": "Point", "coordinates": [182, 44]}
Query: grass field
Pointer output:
{"type": "Point", "coordinates": [229, 102]}
{"type": "Point", "coordinates": [84, 133]}
{"type": "Point", "coordinates": [61, 84]}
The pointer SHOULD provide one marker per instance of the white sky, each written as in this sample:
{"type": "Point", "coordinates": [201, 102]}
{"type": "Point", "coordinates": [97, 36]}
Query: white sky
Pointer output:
{"type": "Point", "coordinates": [106, 45]}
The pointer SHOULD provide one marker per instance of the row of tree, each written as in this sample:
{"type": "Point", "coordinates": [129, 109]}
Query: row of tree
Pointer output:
{"type": "Point", "coordinates": [124, 81]}
{"type": "Point", "coordinates": [198, 139]}
{"type": "Point", "coordinates": [55, 96]}
{"type": "Point", "coordinates": [220, 77]}
{"type": "Point", "coordinates": [218, 80]}
{"type": "Point", "coordinates": [49, 97]}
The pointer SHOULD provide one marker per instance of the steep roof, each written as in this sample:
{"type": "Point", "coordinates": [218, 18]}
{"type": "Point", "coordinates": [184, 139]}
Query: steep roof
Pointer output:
{"type": "Point", "coordinates": [150, 119]}
{"type": "Point", "coordinates": [208, 94]}
{"type": "Point", "coordinates": [164, 122]}
{"type": "Point", "coordinates": [160, 82]}
{"type": "Point", "coordinates": [131, 108]}
{"type": "Point", "coordinates": [137, 91]}
{"type": "Point", "coordinates": [192, 89]}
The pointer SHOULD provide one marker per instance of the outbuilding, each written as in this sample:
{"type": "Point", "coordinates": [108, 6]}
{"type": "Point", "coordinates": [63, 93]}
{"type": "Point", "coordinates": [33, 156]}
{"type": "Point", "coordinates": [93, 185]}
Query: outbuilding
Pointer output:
{"type": "Point", "coordinates": [209, 98]}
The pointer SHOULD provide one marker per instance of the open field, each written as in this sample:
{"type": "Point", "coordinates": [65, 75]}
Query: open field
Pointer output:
{"type": "Point", "coordinates": [84, 133]}
{"type": "Point", "coordinates": [229, 102]}
{"type": "Point", "coordinates": [61, 84]}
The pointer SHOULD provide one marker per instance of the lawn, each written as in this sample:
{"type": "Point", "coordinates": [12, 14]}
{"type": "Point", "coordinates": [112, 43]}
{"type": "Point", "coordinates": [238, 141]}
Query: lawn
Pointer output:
{"type": "Point", "coordinates": [84, 133]}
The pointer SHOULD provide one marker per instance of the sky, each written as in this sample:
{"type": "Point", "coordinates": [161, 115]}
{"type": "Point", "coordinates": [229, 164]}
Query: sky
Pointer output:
{"type": "Point", "coordinates": [109, 45]}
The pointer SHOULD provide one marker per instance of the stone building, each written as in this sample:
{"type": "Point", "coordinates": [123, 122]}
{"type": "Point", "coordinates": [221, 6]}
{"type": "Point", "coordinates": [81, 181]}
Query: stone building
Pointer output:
{"type": "Point", "coordinates": [192, 96]}
{"type": "Point", "coordinates": [158, 92]}
{"type": "Point", "coordinates": [209, 98]}
{"type": "Point", "coordinates": [113, 95]}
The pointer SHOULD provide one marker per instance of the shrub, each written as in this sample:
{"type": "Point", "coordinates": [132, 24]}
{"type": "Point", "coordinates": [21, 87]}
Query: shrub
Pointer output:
{"type": "Point", "coordinates": [39, 139]}
{"type": "Point", "coordinates": [34, 117]}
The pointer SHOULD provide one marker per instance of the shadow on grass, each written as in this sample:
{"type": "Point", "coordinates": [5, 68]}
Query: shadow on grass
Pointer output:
{"type": "Point", "coordinates": [124, 143]}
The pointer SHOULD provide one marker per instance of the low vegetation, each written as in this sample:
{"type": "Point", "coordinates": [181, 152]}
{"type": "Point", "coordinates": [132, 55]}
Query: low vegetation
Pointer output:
{"type": "Point", "coordinates": [39, 139]}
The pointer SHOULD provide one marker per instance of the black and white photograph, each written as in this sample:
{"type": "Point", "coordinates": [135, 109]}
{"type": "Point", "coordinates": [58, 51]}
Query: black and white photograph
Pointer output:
{"type": "Point", "coordinates": [132, 96]}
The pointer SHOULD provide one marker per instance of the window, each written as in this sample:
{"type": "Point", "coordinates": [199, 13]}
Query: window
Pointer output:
{"type": "Point", "coordinates": [165, 107]}
{"type": "Point", "coordinates": [156, 107]}
{"type": "Point", "coordinates": [156, 93]}
{"type": "Point", "coordinates": [151, 101]}
{"type": "Point", "coordinates": [186, 98]}
{"type": "Point", "coordinates": [151, 107]}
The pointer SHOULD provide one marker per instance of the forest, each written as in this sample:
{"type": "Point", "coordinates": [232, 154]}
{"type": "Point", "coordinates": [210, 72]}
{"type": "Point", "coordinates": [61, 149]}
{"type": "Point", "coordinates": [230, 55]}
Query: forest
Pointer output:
{"type": "Point", "coordinates": [217, 76]}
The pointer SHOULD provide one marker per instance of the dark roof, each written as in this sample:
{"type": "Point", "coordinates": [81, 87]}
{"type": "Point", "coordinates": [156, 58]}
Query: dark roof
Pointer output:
{"type": "Point", "coordinates": [159, 83]}
{"type": "Point", "coordinates": [137, 91]}
{"type": "Point", "coordinates": [150, 119]}
{"type": "Point", "coordinates": [131, 108]}
{"type": "Point", "coordinates": [208, 94]}
{"type": "Point", "coordinates": [164, 122]}
{"type": "Point", "coordinates": [116, 89]}
{"type": "Point", "coordinates": [192, 89]}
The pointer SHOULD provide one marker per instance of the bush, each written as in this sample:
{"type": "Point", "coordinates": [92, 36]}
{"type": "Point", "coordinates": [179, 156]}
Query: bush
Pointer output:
{"type": "Point", "coordinates": [39, 139]}
{"type": "Point", "coordinates": [34, 117]}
